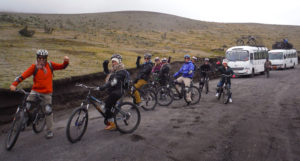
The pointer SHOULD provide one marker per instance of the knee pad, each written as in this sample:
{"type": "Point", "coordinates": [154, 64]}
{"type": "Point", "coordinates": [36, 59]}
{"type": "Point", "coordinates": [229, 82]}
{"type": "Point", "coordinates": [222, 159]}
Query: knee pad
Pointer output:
{"type": "Point", "coordinates": [48, 110]}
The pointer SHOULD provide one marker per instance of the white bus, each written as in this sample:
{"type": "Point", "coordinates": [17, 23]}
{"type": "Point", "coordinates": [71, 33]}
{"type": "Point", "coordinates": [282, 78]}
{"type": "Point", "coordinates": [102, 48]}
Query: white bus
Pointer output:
{"type": "Point", "coordinates": [247, 60]}
{"type": "Point", "coordinates": [283, 58]}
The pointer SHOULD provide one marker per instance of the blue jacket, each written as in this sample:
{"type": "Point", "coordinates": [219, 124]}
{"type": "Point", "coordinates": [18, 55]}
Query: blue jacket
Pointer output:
{"type": "Point", "coordinates": [187, 70]}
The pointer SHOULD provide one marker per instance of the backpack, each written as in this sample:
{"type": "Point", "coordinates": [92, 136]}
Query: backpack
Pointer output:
{"type": "Point", "coordinates": [36, 69]}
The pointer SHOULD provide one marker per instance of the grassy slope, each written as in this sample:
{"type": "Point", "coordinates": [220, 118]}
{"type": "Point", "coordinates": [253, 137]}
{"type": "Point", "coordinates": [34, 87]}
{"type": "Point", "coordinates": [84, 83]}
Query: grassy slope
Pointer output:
{"type": "Point", "coordinates": [128, 33]}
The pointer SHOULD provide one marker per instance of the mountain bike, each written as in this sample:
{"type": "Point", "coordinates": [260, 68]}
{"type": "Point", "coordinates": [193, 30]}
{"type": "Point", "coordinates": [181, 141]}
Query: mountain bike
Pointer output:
{"type": "Point", "coordinates": [170, 91]}
{"type": "Point", "coordinates": [22, 119]}
{"type": "Point", "coordinates": [125, 114]}
{"type": "Point", "coordinates": [224, 91]}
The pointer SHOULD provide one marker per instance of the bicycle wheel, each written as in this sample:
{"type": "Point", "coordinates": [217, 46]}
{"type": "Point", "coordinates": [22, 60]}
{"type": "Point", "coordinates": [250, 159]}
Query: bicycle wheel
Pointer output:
{"type": "Point", "coordinates": [13, 134]}
{"type": "Point", "coordinates": [206, 87]}
{"type": "Point", "coordinates": [39, 122]}
{"type": "Point", "coordinates": [226, 95]}
{"type": "Point", "coordinates": [220, 93]}
{"type": "Point", "coordinates": [164, 96]}
{"type": "Point", "coordinates": [127, 117]}
{"type": "Point", "coordinates": [77, 124]}
{"type": "Point", "coordinates": [149, 100]}
{"type": "Point", "coordinates": [195, 95]}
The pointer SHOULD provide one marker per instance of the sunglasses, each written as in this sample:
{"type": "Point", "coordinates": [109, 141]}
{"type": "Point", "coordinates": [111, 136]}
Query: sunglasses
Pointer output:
{"type": "Point", "coordinates": [40, 57]}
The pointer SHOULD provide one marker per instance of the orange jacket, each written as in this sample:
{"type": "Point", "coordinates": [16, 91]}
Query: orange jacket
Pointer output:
{"type": "Point", "coordinates": [42, 82]}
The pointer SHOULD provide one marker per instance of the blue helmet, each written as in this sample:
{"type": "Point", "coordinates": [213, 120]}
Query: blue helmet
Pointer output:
{"type": "Point", "coordinates": [187, 56]}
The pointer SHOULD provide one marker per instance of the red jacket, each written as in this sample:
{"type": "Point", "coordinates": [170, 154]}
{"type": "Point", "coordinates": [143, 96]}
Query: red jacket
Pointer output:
{"type": "Point", "coordinates": [42, 82]}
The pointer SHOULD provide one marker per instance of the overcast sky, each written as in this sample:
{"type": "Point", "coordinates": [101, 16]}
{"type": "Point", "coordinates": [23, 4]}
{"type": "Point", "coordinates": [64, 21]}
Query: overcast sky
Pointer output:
{"type": "Point", "coordinates": [259, 11]}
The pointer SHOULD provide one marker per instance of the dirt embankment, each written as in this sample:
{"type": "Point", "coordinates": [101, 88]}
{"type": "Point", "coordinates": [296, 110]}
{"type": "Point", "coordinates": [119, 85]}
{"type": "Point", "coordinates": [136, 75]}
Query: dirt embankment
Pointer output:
{"type": "Point", "coordinates": [65, 94]}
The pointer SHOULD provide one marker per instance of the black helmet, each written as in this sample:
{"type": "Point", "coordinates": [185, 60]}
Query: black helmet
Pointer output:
{"type": "Point", "coordinates": [42, 52]}
{"type": "Point", "coordinates": [118, 56]}
{"type": "Point", "coordinates": [147, 56]}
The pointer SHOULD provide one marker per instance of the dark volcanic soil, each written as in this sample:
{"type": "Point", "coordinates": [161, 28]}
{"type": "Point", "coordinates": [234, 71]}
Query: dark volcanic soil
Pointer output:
{"type": "Point", "coordinates": [262, 124]}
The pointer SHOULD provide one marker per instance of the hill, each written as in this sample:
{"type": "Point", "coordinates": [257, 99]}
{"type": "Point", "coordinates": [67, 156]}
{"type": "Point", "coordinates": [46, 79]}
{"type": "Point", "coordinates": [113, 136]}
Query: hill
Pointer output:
{"type": "Point", "coordinates": [91, 38]}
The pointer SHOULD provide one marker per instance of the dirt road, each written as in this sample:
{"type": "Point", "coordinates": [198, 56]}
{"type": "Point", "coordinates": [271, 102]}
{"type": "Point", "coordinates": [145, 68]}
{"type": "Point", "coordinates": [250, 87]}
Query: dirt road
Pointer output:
{"type": "Point", "coordinates": [262, 124]}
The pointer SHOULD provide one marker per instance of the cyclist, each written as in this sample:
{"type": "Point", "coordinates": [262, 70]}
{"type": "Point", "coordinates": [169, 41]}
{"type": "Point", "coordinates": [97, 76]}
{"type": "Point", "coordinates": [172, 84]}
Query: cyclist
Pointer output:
{"type": "Point", "coordinates": [187, 73]}
{"type": "Point", "coordinates": [204, 69]}
{"type": "Point", "coordinates": [194, 59]}
{"type": "Point", "coordinates": [42, 72]}
{"type": "Point", "coordinates": [157, 65]}
{"type": "Point", "coordinates": [143, 75]}
{"type": "Point", "coordinates": [164, 72]}
{"type": "Point", "coordinates": [224, 69]}
{"type": "Point", "coordinates": [114, 84]}
{"type": "Point", "coordinates": [268, 66]}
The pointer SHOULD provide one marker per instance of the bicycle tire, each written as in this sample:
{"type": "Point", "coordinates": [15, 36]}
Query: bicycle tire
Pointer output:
{"type": "Point", "coordinates": [40, 119]}
{"type": "Point", "coordinates": [195, 98]}
{"type": "Point", "coordinates": [226, 95]}
{"type": "Point", "coordinates": [123, 117]}
{"type": "Point", "coordinates": [77, 124]}
{"type": "Point", "coordinates": [149, 100]}
{"type": "Point", "coordinates": [206, 87]}
{"type": "Point", "coordinates": [166, 92]}
{"type": "Point", "coordinates": [220, 93]}
{"type": "Point", "coordinates": [18, 122]}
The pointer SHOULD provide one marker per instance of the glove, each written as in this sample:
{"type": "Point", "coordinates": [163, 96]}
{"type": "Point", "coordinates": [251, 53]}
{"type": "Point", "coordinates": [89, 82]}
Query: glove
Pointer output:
{"type": "Point", "coordinates": [169, 59]}
{"type": "Point", "coordinates": [190, 72]}
{"type": "Point", "coordinates": [139, 57]}
{"type": "Point", "coordinates": [105, 66]}
{"type": "Point", "coordinates": [233, 76]}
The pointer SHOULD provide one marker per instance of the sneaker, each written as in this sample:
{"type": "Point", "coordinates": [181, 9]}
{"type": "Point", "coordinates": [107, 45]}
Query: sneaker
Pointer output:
{"type": "Point", "coordinates": [230, 100]}
{"type": "Point", "coordinates": [217, 94]}
{"type": "Point", "coordinates": [111, 126]}
{"type": "Point", "coordinates": [49, 135]}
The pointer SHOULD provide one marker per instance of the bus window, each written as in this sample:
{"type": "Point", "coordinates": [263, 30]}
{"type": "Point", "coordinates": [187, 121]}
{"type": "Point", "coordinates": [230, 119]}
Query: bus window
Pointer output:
{"type": "Point", "coordinates": [251, 56]}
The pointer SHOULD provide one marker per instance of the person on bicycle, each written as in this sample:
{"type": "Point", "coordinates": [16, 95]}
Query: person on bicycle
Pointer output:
{"type": "Point", "coordinates": [187, 73]}
{"type": "Point", "coordinates": [224, 69]}
{"type": "Point", "coordinates": [164, 72]}
{"type": "Point", "coordinates": [204, 69]}
{"type": "Point", "coordinates": [268, 66]}
{"type": "Point", "coordinates": [157, 65]}
{"type": "Point", "coordinates": [42, 72]}
{"type": "Point", "coordinates": [194, 59]}
{"type": "Point", "coordinates": [143, 75]}
{"type": "Point", "coordinates": [114, 84]}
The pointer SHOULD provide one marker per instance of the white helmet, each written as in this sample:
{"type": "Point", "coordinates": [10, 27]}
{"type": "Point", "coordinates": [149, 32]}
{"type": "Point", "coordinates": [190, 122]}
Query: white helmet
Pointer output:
{"type": "Point", "coordinates": [42, 52]}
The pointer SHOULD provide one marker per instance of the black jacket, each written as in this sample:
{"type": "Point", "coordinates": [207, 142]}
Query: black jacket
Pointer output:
{"type": "Point", "coordinates": [225, 71]}
{"type": "Point", "coordinates": [164, 72]}
{"type": "Point", "coordinates": [205, 68]}
{"type": "Point", "coordinates": [116, 80]}
{"type": "Point", "coordinates": [144, 71]}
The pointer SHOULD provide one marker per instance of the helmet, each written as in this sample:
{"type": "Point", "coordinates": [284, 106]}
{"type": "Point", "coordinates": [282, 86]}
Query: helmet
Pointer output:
{"type": "Point", "coordinates": [147, 56]}
{"type": "Point", "coordinates": [118, 56]}
{"type": "Point", "coordinates": [156, 58]}
{"type": "Point", "coordinates": [42, 52]}
{"type": "Point", "coordinates": [195, 58]}
{"type": "Point", "coordinates": [206, 59]}
{"type": "Point", "coordinates": [225, 61]}
{"type": "Point", "coordinates": [187, 56]}
{"type": "Point", "coordinates": [164, 60]}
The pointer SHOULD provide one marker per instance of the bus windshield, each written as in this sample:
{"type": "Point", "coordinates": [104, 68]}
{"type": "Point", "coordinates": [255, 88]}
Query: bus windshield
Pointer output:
{"type": "Point", "coordinates": [277, 55]}
{"type": "Point", "coordinates": [237, 55]}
